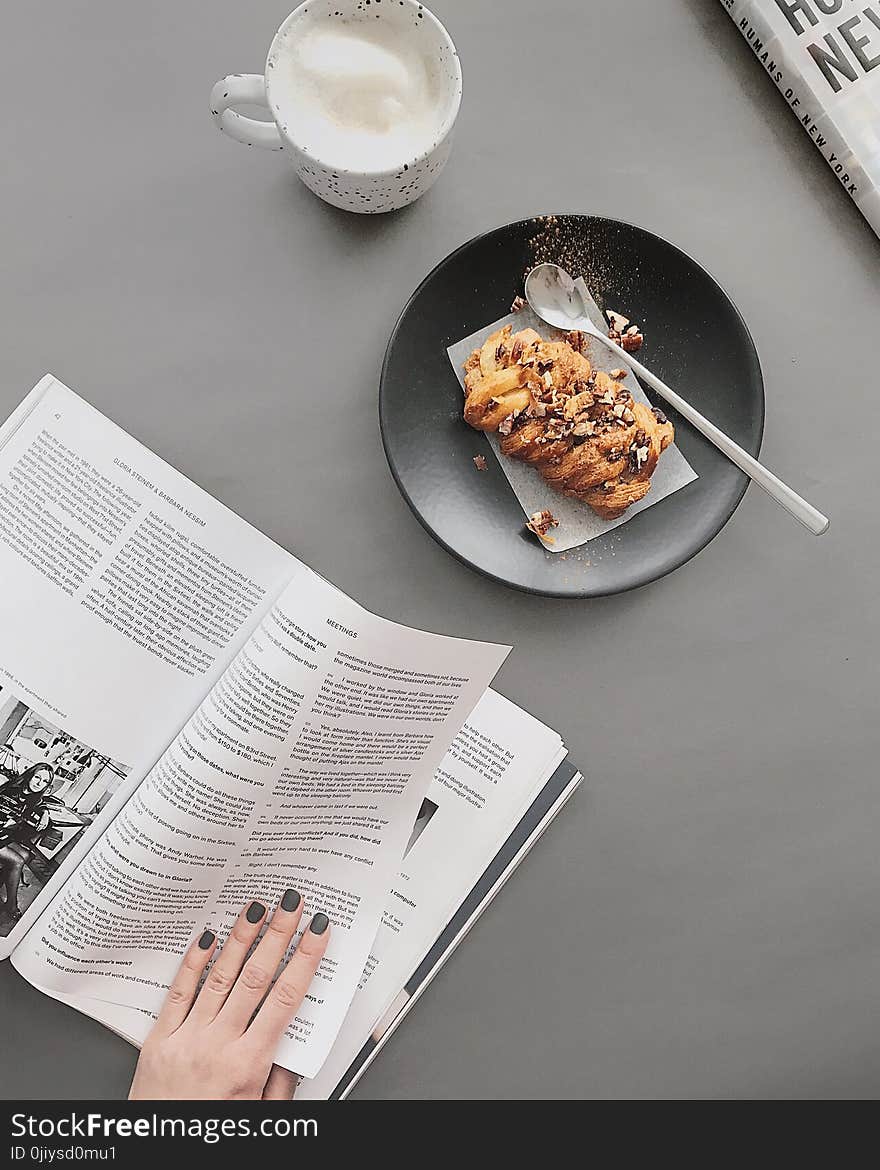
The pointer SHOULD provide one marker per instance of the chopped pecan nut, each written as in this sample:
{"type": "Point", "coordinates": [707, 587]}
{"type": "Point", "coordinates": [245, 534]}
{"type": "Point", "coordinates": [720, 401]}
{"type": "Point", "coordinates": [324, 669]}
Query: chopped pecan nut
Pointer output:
{"type": "Point", "coordinates": [480, 462]}
{"type": "Point", "coordinates": [577, 404]}
{"type": "Point", "coordinates": [518, 303]}
{"type": "Point", "coordinates": [578, 340]}
{"type": "Point", "coordinates": [632, 340]}
{"type": "Point", "coordinates": [541, 522]}
{"type": "Point", "coordinates": [627, 336]}
{"type": "Point", "coordinates": [638, 451]}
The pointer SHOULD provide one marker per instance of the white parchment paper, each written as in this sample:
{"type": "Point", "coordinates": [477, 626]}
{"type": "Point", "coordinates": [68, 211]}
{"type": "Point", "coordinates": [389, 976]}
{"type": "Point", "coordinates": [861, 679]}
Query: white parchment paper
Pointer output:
{"type": "Point", "coordinates": [578, 523]}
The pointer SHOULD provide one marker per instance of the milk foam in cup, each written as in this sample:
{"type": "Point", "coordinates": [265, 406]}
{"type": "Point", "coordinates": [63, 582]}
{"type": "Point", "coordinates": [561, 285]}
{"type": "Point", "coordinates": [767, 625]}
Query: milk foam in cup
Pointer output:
{"type": "Point", "coordinates": [364, 98]}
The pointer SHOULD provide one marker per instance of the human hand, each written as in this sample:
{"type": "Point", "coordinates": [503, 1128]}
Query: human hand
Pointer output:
{"type": "Point", "coordinates": [208, 1044]}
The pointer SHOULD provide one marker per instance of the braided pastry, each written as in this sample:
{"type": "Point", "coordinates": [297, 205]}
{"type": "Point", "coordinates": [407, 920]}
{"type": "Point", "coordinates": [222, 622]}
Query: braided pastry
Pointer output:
{"type": "Point", "coordinates": [580, 427]}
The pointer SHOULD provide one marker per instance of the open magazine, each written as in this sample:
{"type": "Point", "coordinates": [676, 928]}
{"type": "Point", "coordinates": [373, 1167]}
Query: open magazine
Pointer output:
{"type": "Point", "coordinates": [191, 718]}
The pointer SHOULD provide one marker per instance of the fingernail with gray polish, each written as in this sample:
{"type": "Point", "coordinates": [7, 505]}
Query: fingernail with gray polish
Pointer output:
{"type": "Point", "coordinates": [319, 924]}
{"type": "Point", "coordinates": [207, 938]}
{"type": "Point", "coordinates": [255, 911]}
{"type": "Point", "coordinates": [290, 901]}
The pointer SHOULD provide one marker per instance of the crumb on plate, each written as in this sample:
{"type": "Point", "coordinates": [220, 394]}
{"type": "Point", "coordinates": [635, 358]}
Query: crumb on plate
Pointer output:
{"type": "Point", "coordinates": [541, 522]}
{"type": "Point", "coordinates": [627, 336]}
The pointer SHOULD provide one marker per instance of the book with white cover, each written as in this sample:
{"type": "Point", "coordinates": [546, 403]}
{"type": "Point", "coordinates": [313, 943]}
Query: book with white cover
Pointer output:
{"type": "Point", "coordinates": [824, 57]}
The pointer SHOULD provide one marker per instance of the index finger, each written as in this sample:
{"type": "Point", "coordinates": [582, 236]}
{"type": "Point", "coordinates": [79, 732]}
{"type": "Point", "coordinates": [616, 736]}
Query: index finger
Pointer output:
{"type": "Point", "coordinates": [285, 999]}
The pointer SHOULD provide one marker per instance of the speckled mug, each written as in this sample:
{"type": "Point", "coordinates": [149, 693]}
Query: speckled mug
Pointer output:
{"type": "Point", "coordinates": [368, 192]}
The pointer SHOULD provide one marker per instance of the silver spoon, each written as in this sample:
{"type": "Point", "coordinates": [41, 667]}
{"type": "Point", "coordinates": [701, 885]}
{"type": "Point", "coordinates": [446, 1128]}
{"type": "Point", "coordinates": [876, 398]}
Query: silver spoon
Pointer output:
{"type": "Point", "coordinates": [558, 300]}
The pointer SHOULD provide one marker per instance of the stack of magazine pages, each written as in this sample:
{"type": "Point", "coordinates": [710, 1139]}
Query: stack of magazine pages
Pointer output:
{"type": "Point", "coordinates": [190, 718]}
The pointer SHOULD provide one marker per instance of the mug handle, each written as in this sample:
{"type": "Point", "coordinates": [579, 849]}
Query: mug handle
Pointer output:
{"type": "Point", "coordinates": [249, 89]}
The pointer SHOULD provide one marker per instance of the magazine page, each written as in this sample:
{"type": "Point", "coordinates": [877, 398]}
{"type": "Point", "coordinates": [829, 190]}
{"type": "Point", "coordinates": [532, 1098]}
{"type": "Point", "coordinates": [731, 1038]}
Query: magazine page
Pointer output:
{"type": "Point", "coordinates": [305, 768]}
{"type": "Point", "coordinates": [496, 765]}
{"type": "Point", "coordinates": [453, 892]}
{"type": "Point", "coordinates": [548, 803]}
{"type": "Point", "coordinates": [126, 591]}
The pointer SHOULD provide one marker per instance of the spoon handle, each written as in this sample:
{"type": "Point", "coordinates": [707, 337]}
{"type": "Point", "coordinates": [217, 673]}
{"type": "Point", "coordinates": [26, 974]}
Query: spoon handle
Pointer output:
{"type": "Point", "coordinates": [809, 516]}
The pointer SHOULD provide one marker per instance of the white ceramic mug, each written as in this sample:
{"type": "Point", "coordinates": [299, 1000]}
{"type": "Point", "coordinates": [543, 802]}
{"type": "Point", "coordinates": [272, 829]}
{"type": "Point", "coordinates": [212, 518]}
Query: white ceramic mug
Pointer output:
{"type": "Point", "coordinates": [355, 188]}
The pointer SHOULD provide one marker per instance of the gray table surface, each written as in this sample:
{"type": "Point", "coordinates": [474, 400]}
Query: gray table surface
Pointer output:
{"type": "Point", "coordinates": [702, 921]}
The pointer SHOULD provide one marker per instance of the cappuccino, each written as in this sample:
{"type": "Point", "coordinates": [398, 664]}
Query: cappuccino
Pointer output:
{"type": "Point", "coordinates": [360, 96]}
{"type": "Point", "coordinates": [363, 97]}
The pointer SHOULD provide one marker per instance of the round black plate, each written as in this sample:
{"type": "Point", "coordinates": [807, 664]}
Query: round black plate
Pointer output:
{"type": "Point", "coordinates": [695, 340]}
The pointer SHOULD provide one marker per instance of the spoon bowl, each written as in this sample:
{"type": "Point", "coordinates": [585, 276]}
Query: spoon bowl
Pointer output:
{"type": "Point", "coordinates": [555, 297]}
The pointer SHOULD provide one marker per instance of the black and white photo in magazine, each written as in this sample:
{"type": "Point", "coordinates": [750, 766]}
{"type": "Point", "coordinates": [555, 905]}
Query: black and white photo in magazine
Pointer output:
{"type": "Point", "coordinates": [52, 786]}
